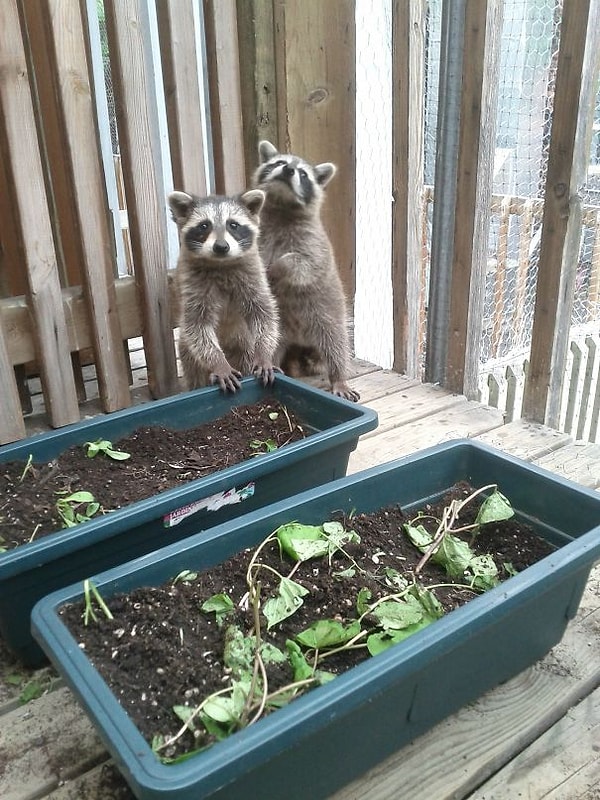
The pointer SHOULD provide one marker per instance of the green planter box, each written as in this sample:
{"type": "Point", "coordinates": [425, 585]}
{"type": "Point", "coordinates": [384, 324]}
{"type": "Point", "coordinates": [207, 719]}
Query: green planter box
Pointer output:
{"type": "Point", "coordinates": [31, 571]}
{"type": "Point", "coordinates": [339, 730]}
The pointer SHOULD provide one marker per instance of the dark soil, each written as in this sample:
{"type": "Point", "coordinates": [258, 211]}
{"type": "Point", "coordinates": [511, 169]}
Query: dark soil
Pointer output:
{"type": "Point", "coordinates": [160, 459]}
{"type": "Point", "coordinates": [160, 650]}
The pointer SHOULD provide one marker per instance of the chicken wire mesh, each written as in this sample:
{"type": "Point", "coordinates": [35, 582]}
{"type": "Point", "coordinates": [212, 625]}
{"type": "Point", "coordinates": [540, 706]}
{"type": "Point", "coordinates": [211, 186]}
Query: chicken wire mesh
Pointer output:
{"type": "Point", "coordinates": [529, 45]}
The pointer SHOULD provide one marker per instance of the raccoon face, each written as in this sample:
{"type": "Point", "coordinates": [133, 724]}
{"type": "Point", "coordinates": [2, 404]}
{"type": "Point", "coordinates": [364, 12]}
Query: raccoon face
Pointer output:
{"type": "Point", "coordinates": [216, 227]}
{"type": "Point", "coordinates": [289, 178]}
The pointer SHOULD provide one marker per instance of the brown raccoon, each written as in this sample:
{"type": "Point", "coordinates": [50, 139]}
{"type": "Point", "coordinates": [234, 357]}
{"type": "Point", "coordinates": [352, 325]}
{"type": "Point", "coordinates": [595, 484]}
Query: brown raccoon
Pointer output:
{"type": "Point", "coordinates": [301, 266]}
{"type": "Point", "coordinates": [227, 313]}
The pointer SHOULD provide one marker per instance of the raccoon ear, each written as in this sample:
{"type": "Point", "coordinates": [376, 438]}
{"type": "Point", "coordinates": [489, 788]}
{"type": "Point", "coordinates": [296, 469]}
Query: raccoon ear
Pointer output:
{"type": "Point", "coordinates": [180, 204]}
{"type": "Point", "coordinates": [253, 200]}
{"type": "Point", "coordinates": [324, 173]}
{"type": "Point", "coordinates": [266, 151]}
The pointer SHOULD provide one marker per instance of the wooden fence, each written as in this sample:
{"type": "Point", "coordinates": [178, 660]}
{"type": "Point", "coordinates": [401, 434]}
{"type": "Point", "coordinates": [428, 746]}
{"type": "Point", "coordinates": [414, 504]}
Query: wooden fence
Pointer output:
{"type": "Point", "coordinates": [196, 87]}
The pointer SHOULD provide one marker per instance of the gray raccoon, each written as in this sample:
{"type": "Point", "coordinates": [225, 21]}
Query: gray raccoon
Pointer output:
{"type": "Point", "coordinates": [228, 320]}
{"type": "Point", "coordinates": [301, 266]}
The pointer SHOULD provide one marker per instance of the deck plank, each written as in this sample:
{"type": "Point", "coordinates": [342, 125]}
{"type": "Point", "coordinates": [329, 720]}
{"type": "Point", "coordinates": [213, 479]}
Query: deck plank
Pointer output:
{"type": "Point", "coordinates": [579, 462]}
{"type": "Point", "coordinates": [463, 419]}
{"type": "Point", "coordinates": [527, 440]}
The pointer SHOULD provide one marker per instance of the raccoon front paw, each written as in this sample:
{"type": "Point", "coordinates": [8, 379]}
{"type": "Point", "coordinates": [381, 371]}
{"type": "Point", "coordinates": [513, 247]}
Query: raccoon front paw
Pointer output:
{"type": "Point", "coordinates": [343, 390]}
{"type": "Point", "coordinates": [265, 373]}
{"type": "Point", "coordinates": [229, 379]}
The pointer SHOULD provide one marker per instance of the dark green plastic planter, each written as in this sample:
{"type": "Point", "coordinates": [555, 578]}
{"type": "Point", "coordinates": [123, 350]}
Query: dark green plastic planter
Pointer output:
{"type": "Point", "coordinates": [338, 731]}
{"type": "Point", "coordinates": [33, 570]}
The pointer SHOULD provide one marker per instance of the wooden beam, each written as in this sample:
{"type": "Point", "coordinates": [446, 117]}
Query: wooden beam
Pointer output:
{"type": "Point", "coordinates": [19, 332]}
{"type": "Point", "coordinates": [220, 22]}
{"type": "Point", "coordinates": [64, 30]}
{"type": "Point", "coordinates": [20, 149]}
{"type": "Point", "coordinates": [258, 79]}
{"type": "Point", "coordinates": [483, 23]}
{"type": "Point", "coordinates": [178, 27]}
{"type": "Point", "coordinates": [315, 59]}
{"type": "Point", "coordinates": [12, 426]}
{"type": "Point", "coordinates": [560, 224]}
{"type": "Point", "coordinates": [408, 42]}
{"type": "Point", "coordinates": [130, 42]}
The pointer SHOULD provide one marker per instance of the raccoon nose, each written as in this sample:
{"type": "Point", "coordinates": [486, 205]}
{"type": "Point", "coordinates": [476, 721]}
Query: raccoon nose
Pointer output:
{"type": "Point", "coordinates": [220, 248]}
{"type": "Point", "coordinates": [287, 170]}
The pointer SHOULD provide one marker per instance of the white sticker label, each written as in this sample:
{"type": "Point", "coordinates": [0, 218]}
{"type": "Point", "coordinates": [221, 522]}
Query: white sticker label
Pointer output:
{"type": "Point", "coordinates": [212, 503]}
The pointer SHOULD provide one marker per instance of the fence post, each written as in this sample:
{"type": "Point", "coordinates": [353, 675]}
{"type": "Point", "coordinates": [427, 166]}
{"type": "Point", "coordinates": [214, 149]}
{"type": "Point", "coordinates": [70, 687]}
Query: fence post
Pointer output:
{"type": "Point", "coordinates": [133, 70]}
{"type": "Point", "coordinates": [562, 214]}
{"type": "Point", "coordinates": [21, 152]}
{"type": "Point", "coordinates": [408, 43]}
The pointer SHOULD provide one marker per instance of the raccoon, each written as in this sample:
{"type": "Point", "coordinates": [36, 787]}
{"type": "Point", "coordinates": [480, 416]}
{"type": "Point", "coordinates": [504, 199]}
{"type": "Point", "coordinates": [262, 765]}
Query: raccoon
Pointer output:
{"type": "Point", "coordinates": [227, 313]}
{"type": "Point", "coordinates": [301, 266]}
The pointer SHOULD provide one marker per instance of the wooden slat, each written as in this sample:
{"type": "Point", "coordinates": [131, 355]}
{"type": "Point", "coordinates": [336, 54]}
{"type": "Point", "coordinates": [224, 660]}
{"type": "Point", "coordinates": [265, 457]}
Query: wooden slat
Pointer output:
{"type": "Point", "coordinates": [560, 226]}
{"type": "Point", "coordinates": [220, 22]}
{"type": "Point", "coordinates": [408, 43]}
{"type": "Point", "coordinates": [64, 29]}
{"type": "Point", "coordinates": [178, 26]}
{"type": "Point", "coordinates": [18, 326]}
{"type": "Point", "coordinates": [483, 23]}
{"type": "Point", "coordinates": [528, 440]}
{"type": "Point", "coordinates": [12, 426]}
{"type": "Point", "coordinates": [128, 27]}
{"type": "Point", "coordinates": [317, 104]}
{"type": "Point", "coordinates": [19, 145]}
{"type": "Point", "coordinates": [463, 419]}
{"type": "Point", "coordinates": [258, 79]}
{"type": "Point", "coordinates": [578, 462]}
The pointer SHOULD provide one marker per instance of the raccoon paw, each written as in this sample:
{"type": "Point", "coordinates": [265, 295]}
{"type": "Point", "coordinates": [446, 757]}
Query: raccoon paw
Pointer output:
{"type": "Point", "coordinates": [341, 389]}
{"type": "Point", "coordinates": [265, 373]}
{"type": "Point", "coordinates": [229, 380]}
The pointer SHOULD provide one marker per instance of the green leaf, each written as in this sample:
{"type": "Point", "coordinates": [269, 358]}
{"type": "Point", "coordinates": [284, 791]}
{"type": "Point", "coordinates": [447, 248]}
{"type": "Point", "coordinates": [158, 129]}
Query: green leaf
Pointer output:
{"type": "Point", "coordinates": [185, 576]}
{"type": "Point", "coordinates": [302, 542]}
{"type": "Point", "coordinates": [328, 633]}
{"type": "Point", "coordinates": [418, 536]}
{"type": "Point", "coordinates": [221, 604]}
{"type": "Point", "coordinates": [494, 508]}
{"type": "Point", "coordinates": [383, 640]}
{"type": "Point", "coordinates": [184, 713]}
{"type": "Point", "coordinates": [485, 573]}
{"type": "Point", "coordinates": [362, 601]}
{"type": "Point", "coordinates": [79, 497]}
{"type": "Point", "coordinates": [288, 600]}
{"type": "Point", "coordinates": [398, 614]}
{"type": "Point", "coordinates": [302, 669]}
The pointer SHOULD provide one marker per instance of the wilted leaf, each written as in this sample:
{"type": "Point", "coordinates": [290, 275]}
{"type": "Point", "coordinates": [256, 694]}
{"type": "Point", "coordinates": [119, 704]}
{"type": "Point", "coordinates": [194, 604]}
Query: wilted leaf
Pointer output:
{"type": "Point", "coordinates": [328, 633]}
{"type": "Point", "coordinates": [494, 508]}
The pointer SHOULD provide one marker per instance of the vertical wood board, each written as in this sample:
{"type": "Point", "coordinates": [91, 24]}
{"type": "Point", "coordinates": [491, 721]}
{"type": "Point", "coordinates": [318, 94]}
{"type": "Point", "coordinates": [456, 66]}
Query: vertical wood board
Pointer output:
{"type": "Point", "coordinates": [408, 43]}
{"type": "Point", "coordinates": [64, 28]}
{"type": "Point", "coordinates": [561, 218]}
{"type": "Point", "coordinates": [225, 99]}
{"type": "Point", "coordinates": [20, 149]}
{"type": "Point", "coordinates": [177, 25]}
{"type": "Point", "coordinates": [316, 76]}
{"type": "Point", "coordinates": [137, 116]}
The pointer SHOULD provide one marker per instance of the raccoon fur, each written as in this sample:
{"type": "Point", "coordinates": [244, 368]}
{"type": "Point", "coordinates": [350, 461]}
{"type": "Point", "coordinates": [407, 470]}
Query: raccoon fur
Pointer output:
{"type": "Point", "coordinates": [228, 320]}
{"type": "Point", "coordinates": [301, 267]}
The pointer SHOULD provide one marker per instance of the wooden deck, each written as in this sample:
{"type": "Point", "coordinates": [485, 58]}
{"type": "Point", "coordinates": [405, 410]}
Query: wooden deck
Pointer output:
{"type": "Point", "coordinates": [536, 736]}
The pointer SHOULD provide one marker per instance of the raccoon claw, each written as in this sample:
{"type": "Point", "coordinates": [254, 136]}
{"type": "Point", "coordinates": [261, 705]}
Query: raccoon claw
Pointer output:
{"type": "Point", "coordinates": [228, 382]}
{"type": "Point", "coordinates": [266, 375]}
{"type": "Point", "coordinates": [343, 390]}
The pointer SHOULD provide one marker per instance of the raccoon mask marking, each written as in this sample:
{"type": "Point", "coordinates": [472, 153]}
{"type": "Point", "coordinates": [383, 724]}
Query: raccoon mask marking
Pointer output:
{"type": "Point", "coordinates": [289, 179]}
{"type": "Point", "coordinates": [217, 228]}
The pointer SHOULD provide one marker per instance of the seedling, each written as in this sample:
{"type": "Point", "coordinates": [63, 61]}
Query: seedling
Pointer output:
{"type": "Point", "coordinates": [77, 507]}
{"type": "Point", "coordinates": [28, 466]}
{"type": "Point", "coordinates": [263, 446]}
{"type": "Point", "coordinates": [104, 446]}
{"type": "Point", "coordinates": [90, 593]}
